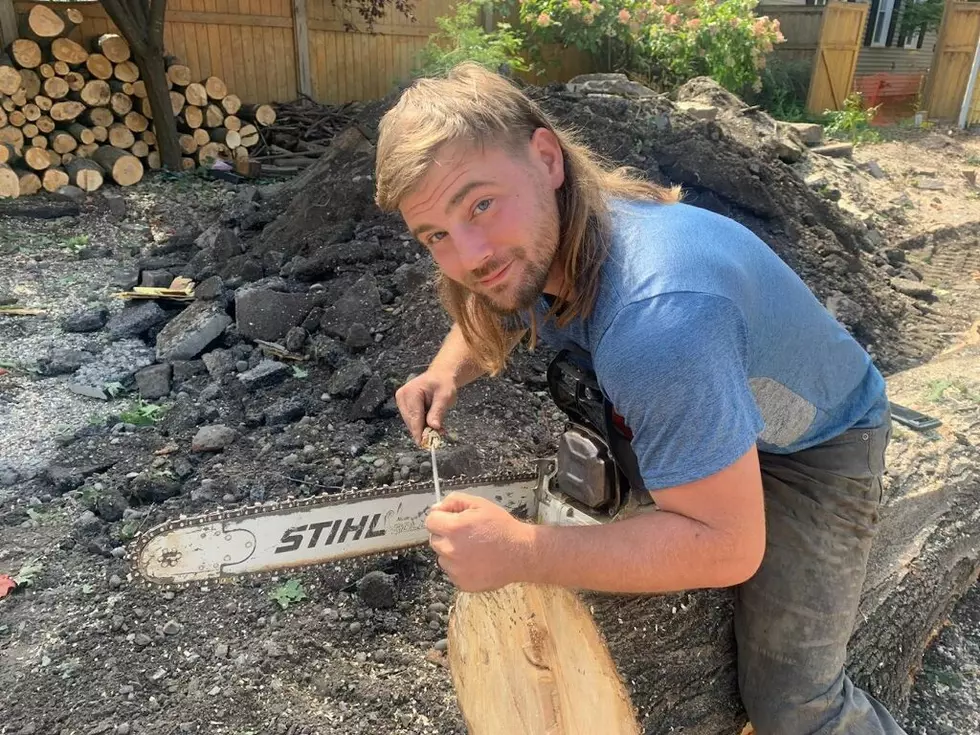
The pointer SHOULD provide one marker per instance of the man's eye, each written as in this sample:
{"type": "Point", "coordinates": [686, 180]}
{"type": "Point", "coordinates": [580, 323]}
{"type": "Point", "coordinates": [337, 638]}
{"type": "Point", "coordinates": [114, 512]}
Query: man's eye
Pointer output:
{"type": "Point", "coordinates": [483, 204]}
{"type": "Point", "coordinates": [436, 237]}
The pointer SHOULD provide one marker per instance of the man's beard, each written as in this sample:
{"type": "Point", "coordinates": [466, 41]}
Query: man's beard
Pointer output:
{"type": "Point", "coordinates": [526, 292]}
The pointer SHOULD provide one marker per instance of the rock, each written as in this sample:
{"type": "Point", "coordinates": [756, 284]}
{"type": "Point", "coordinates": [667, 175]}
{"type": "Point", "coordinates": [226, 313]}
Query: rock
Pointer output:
{"type": "Point", "coordinates": [372, 397]}
{"type": "Point", "coordinates": [615, 84]}
{"type": "Point", "coordinates": [219, 362]}
{"type": "Point", "coordinates": [816, 181]}
{"type": "Point", "coordinates": [61, 361]}
{"type": "Point", "coordinates": [154, 381]}
{"type": "Point", "coordinates": [210, 288]}
{"type": "Point", "coordinates": [86, 320]}
{"type": "Point", "coordinates": [115, 365]}
{"type": "Point", "coordinates": [786, 151]}
{"type": "Point", "coordinates": [213, 438]}
{"type": "Point", "coordinates": [970, 175]}
{"type": "Point", "coordinates": [136, 319]}
{"type": "Point", "coordinates": [327, 352]}
{"type": "Point", "coordinates": [284, 411]}
{"type": "Point", "coordinates": [156, 278]}
{"type": "Point", "coordinates": [295, 339]}
{"type": "Point", "coordinates": [266, 373]}
{"type": "Point", "coordinates": [72, 192]}
{"type": "Point", "coordinates": [265, 314]}
{"type": "Point", "coordinates": [153, 487]}
{"type": "Point", "coordinates": [349, 379]}
{"type": "Point", "coordinates": [408, 277]}
{"type": "Point", "coordinates": [698, 110]}
{"type": "Point", "coordinates": [328, 259]}
{"type": "Point", "coordinates": [809, 133]}
{"type": "Point", "coordinates": [8, 477]}
{"type": "Point", "coordinates": [460, 460]}
{"type": "Point", "coordinates": [64, 479]}
{"type": "Point", "coordinates": [913, 288]}
{"type": "Point", "coordinates": [377, 589]}
{"type": "Point", "coordinates": [844, 309]}
{"type": "Point", "coordinates": [361, 303]}
{"type": "Point", "coordinates": [192, 331]}
{"type": "Point", "coordinates": [6, 299]}
{"type": "Point", "coordinates": [358, 337]}
{"type": "Point", "coordinates": [109, 505]}
{"type": "Point", "coordinates": [835, 150]}
{"type": "Point", "coordinates": [930, 184]}
{"type": "Point", "coordinates": [116, 204]}
{"type": "Point", "coordinates": [895, 256]}
{"type": "Point", "coordinates": [875, 170]}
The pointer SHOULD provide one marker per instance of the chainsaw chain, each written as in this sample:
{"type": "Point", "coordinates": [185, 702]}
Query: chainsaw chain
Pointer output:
{"type": "Point", "coordinates": [323, 499]}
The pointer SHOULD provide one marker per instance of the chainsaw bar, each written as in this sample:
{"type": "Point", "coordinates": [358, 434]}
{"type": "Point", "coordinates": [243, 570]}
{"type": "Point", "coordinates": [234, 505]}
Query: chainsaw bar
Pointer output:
{"type": "Point", "coordinates": [299, 533]}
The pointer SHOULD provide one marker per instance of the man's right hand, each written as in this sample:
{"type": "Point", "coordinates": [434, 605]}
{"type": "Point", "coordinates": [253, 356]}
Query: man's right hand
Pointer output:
{"type": "Point", "coordinates": [424, 400]}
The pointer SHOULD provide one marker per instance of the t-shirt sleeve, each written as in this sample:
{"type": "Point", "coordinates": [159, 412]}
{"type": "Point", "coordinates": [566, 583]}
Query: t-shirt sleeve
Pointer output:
{"type": "Point", "coordinates": [675, 368]}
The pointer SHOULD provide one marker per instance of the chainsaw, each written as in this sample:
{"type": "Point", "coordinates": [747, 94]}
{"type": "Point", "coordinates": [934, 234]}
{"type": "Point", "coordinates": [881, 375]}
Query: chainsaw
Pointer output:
{"type": "Point", "coordinates": [592, 478]}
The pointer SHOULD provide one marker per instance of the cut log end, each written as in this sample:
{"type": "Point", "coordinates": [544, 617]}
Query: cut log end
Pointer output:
{"type": "Point", "coordinates": [124, 168]}
{"type": "Point", "coordinates": [87, 175]}
{"type": "Point", "coordinates": [9, 182]}
{"type": "Point", "coordinates": [53, 179]}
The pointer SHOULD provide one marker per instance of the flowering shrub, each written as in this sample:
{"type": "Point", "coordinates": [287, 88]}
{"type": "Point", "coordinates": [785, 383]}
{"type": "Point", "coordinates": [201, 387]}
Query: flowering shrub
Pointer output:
{"type": "Point", "coordinates": [668, 43]}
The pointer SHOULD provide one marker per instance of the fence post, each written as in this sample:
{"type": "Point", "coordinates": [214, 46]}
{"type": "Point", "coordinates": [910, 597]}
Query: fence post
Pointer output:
{"type": "Point", "coordinates": [301, 37]}
{"type": "Point", "coordinates": [970, 86]}
{"type": "Point", "coordinates": [931, 80]}
{"type": "Point", "coordinates": [8, 23]}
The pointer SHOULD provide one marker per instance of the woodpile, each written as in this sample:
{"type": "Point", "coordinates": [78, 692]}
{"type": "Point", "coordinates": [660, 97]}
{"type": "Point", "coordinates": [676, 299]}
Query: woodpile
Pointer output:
{"type": "Point", "coordinates": [73, 113]}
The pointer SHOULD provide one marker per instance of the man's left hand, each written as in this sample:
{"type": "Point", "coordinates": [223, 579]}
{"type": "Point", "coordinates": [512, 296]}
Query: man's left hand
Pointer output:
{"type": "Point", "coordinates": [481, 546]}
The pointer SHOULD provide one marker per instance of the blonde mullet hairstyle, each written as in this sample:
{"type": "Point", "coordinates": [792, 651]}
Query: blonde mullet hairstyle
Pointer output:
{"type": "Point", "coordinates": [477, 108]}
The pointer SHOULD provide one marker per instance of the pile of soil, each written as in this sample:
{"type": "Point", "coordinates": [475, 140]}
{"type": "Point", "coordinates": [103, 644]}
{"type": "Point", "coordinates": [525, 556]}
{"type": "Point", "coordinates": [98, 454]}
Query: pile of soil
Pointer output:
{"type": "Point", "coordinates": [312, 308]}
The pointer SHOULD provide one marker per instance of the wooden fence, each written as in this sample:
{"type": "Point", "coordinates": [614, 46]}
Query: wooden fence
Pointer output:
{"type": "Point", "coordinates": [953, 63]}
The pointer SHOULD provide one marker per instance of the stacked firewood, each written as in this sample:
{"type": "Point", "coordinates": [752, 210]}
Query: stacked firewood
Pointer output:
{"type": "Point", "coordinates": [300, 133]}
{"type": "Point", "coordinates": [81, 116]}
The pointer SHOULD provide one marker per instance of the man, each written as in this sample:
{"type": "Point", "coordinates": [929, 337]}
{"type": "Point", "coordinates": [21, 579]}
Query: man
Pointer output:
{"type": "Point", "coordinates": [758, 424]}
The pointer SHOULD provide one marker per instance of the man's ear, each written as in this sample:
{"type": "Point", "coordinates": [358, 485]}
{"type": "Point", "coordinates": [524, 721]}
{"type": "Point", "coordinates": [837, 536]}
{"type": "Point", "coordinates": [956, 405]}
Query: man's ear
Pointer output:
{"type": "Point", "coordinates": [546, 153]}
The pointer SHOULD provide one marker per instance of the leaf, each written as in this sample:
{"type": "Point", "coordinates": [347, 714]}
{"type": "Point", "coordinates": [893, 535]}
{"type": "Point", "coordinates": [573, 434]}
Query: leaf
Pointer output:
{"type": "Point", "coordinates": [7, 583]}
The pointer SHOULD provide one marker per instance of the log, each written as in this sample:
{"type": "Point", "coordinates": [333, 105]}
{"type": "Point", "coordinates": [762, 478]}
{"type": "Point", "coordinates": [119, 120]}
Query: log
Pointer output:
{"type": "Point", "coordinates": [100, 133]}
{"type": "Point", "coordinates": [96, 93]}
{"type": "Point", "coordinates": [54, 158]}
{"type": "Point", "coordinates": [120, 136]}
{"type": "Point", "coordinates": [249, 135]}
{"type": "Point", "coordinates": [9, 79]}
{"type": "Point", "coordinates": [81, 133]}
{"type": "Point", "coordinates": [86, 174]}
{"type": "Point", "coordinates": [201, 137]}
{"type": "Point", "coordinates": [214, 116]}
{"type": "Point", "coordinates": [61, 68]}
{"type": "Point", "coordinates": [187, 164]}
{"type": "Point", "coordinates": [140, 149]}
{"type": "Point", "coordinates": [13, 135]}
{"type": "Point", "coordinates": [30, 130]}
{"type": "Point", "coordinates": [19, 97]}
{"type": "Point", "coordinates": [211, 152]}
{"type": "Point", "coordinates": [124, 168]}
{"type": "Point", "coordinates": [39, 209]}
{"type": "Point", "coordinates": [67, 111]}
{"type": "Point", "coordinates": [53, 179]}
{"type": "Point", "coordinates": [121, 104]}
{"type": "Point", "coordinates": [187, 143]}
{"type": "Point", "coordinates": [7, 104]}
{"type": "Point", "coordinates": [192, 117]}
{"type": "Point", "coordinates": [126, 71]}
{"type": "Point", "coordinates": [3, 118]}
{"type": "Point", "coordinates": [263, 115]}
{"type": "Point", "coordinates": [231, 104]}
{"type": "Point", "coordinates": [148, 137]}
{"type": "Point", "coordinates": [37, 158]}
{"type": "Point", "coordinates": [42, 24]}
{"type": "Point", "coordinates": [40, 141]}
{"type": "Point", "coordinates": [68, 51]}
{"type": "Point", "coordinates": [67, 158]}
{"type": "Point", "coordinates": [99, 66]}
{"type": "Point", "coordinates": [62, 142]}
{"type": "Point", "coordinates": [139, 89]}
{"type": "Point", "coordinates": [85, 150]}
{"type": "Point", "coordinates": [136, 122]}
{"type": "Point", "coordinates": [56, 88]}
{"type": "Point", "coordinates": [196, 94]}
{"type": "Point", "coordinates": [43, 102]}
{"type": "Point", "coordinates": [30, 81]}
{"type": "Point", "coordinates": [31, 111]}
{"type": "Point", "coordinates": [45, 124]}
{"type": "Point", "coordinates": [530, 659]}
{"type": "Point", "coordinates": [113, 47]}
{"type": "Point", "coordinates": [46, 71]}
{"type": "Point", "coordinates": [9, 182]}
{"type": "Point", "coordinates": [179, 75]}
{"type": "Point", "coordinates": [26, 53]}
{"type": "Point", "coordinates": [30, 183]}
{"type": "Point", "coordinates": [17, 118]}
{"type": "Point", "coordinates": [76, 81]}
{"type": "Point", "coordinates": [232, 122]}
{"type": "Point", "coordinates": [229, 137]}
{"type": "Point", "coordinates": [99, 116]}
{"type": "Point", "coordinates": [217, 89]}
{"type": "Point", "coordinates": [153, 160]}
{"type": "Point", "coordinates": [177, 101]}
{"type": "Point", "coordinates": [9, 154]}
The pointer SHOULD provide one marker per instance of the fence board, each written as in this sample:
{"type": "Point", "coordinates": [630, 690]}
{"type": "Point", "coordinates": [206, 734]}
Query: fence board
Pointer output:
{"type": "Point", "coordinates": [840, 44]}
{"type": "Point", "coordinates": [800, 25]}
{"type": "Point", "coordinates": [950, 73]}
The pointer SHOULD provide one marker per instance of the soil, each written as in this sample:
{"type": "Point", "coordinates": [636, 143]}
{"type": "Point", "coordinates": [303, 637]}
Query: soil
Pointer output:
{"type": "Point", "coordinates": [86, 648]}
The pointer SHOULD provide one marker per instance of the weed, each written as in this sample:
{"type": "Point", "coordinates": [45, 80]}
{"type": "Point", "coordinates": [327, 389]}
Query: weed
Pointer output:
{"type": "Point", "coordinates": [287, 593]}
{"type": "Point", "coordinates": [76, 244]}
{"type": "Point", "coordinates": [973, 160]}
{"type": "Point", "coordinates": [143, 414]}
{"type": "Point", "coordinates": [938, 391]}
{"type": "Point", "coordinates": [854, 121]}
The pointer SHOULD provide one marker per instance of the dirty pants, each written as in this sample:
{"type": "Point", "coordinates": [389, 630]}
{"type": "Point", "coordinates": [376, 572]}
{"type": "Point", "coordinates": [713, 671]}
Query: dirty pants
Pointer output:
{"type": "Point", "coordinates": [794, 617]}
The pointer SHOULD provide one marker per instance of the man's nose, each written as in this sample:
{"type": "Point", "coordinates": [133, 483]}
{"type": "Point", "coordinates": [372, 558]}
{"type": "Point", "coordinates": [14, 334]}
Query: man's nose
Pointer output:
{"type": "Point", "coordinates": [473, 248]}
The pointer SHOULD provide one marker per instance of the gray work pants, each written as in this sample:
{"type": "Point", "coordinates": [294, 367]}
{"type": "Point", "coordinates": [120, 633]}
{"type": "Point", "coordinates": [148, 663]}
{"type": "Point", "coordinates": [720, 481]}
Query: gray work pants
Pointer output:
{"type": "Point", "coordinates": [794, 617]}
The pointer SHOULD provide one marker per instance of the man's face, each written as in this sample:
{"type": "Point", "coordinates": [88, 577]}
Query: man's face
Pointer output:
{"type": "Point", "coordinates": [490, 219]}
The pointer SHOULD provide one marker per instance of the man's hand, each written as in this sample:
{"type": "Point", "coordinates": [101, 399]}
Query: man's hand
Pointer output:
{"type": "Point", "coordinates": [424, 401]}
{"type": "Point", "coordinates": [481, 546]}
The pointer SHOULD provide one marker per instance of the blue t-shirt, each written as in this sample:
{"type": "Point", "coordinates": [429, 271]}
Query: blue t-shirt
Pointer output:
{"type": "Point", "coordinates": [706, 343]}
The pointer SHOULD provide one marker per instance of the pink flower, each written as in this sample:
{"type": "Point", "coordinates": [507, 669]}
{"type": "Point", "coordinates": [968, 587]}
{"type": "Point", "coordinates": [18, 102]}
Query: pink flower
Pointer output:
{"type": "Point", "coordinates": [694, 23]}
{"type": "Point", "coordinates": [544, 20]}
{"type": "Point", "coordinates": [575, 5]}
{"type": "Point", "coordinates": [624, 16]}
{"type": "Point", "coordinates": [671, 19]}
{"type": "Point", "coordinates": [759, 27]}
{"type": "Point", "coordinates": [780, 37]}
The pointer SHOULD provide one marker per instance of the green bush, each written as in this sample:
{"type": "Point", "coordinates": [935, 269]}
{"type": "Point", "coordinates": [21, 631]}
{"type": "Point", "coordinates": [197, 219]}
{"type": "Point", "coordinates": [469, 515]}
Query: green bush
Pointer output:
{"type": "Point", "coordinates": [463, 38]}
{"type": "Point", "coordinates": [784, 90]}
{"type": "Point", "coordinates": [853, 122]}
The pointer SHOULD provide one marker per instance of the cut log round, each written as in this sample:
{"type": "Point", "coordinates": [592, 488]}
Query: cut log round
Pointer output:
{"type": "Point", "coordinates": [187, 164]}
{"type": "Point", "coordinates": [229, 137]}
{"type": "Point", "coordinates": [100, 133]}
{"type": "Point", "coordinates": [46, 71]}
{"type": "Point", "coordinates": [120, 136]}
{"type": "Point", "coordinates": [9, 182]}
{"type": "Point", "coordinates": [201, 137]}
{"type": "Point", "coordinates": [232, 122]}
{"type": "Point", "coordinates": [37, 158]}
{"type": "Point", "coordinates": [153, 160]}
{"type": "Point", "coordinates": [124, 168]}
{"type": "Point", "coordinates": [86, 150]}
{"type": "Point", "coordinates": [231, 104]}
{"type": "Point", "coordinates": [40, 141]}
{"type": "Point", "coordinates": [530, 659]}
{"type": "Point", "coordinates": [42, 22]}
{"type": "Point", "coordinates": [121, 104]}
{"type": "Point", "coordinates": [214, 116]}
{"type": "Point", "coordinates": [139, 89]}
{"type": "Point", "coordinates": [54, 157]}
{"type": "Point", "coordinates": [96, 93]}
{"type": "Point", "coordinates": [214, 151]}
{"type": "Point", "coordinates": [31, 111]}
{"type": "Point", "coordinates": [126, 71]}
{"type": "Point", "coordinates": [45, 124]}
{"type": "Point", "coordinates": [146, 108]}
{"type": "Point", "coordinates": [99, 66]}
{"type": "Point", "coordinates": [76, 81]}
{"type": "Point", "coordinates": [113, 47]}
{"type": "Point", "coordinates": [192, 117]}
{"type": "Point", "coordinates": [177, 101]}
{"type": "Point", "coordinates": [62, 141]}
{"type": "Point", "coordinates": [67, 158]}
{"type": "Point", "coordinates": [187, 144]}
{"type": "Point", "coordinates": [19, 97]}
{"type": "Point", "coordinates": [26, 53]}
{"type": "Point", "coordinates": [43, 102]}
{"type": "Point", "coordinates": [56, 88]}
{"type": "Point", "coordinates": [9, 80]}
{"type": "Point", "coordinates": [81, 133]}
{"type": "Point", "coordinates": [17, 118]}
{"type": "Point", "coordinates": [148, 137]}
{"type": "Point", "coordinates": [86, 174]}
{"type": "Point", "coordinates": [7, 104]}
{"type": "Point", "coordinates": [61, 68]}
{"type": "Point", "coordinates": [9, 154]}
{"type": "Point", "coordinates": [64, 49]}
{"type": "Point", "coordinates": [249, 135]}
{"type": "Point", "coordinates": [3, 118]}
{"type": "Point", "coordinates": [99, 116]}
{"type": "Point", "coordinates": [136, 122]}
{"type": "Point", "coordinates": [196, 94]}
{"type": "Point", "coordinates": [54, 178]}
{"type": "Point", "coordinates": [30, 183]}
{"type": "Point", "coordinates": [12, 135]}
{"type": "Point", "coordinates": [140, 149]}
{"type": "Point", "coordinates": [179, 75]}
{"type": "Point", "coordinates": [30, 81]}
{"type": "Point", "coordinates": [30, 130]}
{"type": "Point", "coordinates": [263, 115]}
{"type": "Point", "coordinates": [67, 111]}
{"type": "Point", "coordinates": [217, 89]}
